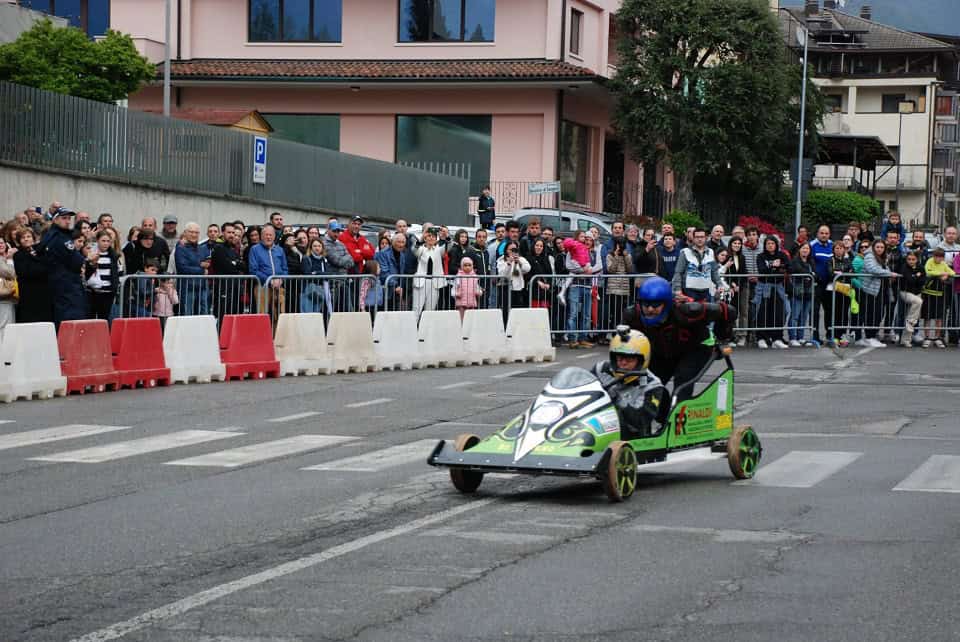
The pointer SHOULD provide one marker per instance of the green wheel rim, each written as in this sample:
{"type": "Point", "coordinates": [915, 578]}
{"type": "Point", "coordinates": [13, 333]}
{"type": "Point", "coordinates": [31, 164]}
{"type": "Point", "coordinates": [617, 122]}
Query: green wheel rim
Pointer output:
{"type": "Point", "coordinates": [626, 472]}
{"type": "Point", "coordinates": [749, 452]}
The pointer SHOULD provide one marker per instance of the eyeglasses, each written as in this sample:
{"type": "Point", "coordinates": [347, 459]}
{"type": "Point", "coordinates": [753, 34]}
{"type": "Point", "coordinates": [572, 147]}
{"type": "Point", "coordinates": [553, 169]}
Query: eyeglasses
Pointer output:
{"type": "Point", "coordinates": [651, 304]}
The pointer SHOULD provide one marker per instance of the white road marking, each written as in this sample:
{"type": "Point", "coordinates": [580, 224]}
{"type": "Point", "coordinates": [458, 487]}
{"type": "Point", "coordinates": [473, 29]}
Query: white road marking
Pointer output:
{"type": "Point", "coordinates": [260, 452]}
{"type": "Point", "coordinates": [504, 375]}
{"type": "Point", "coordinates": [493, 537]}
{"type": "Point", "coordinates": [8, 421]}
{"type": "Point", "coordinates": [134, 447]}
{"type": "Point", "coordinates": [202, 598]}
{"type": "Point", "coordinates": [58, 433]}
{"type": "Point", "coordinates": [549, 364]}
{"type": "Point", "coordinates": [585, 356]}
{"type": "Point", "coordinates": [467, 423]}
{"type": "Point", "coordinates": [939, 474]}
{"type": "Point", "coordinates": [379, 459]}
{"type": "Point", "coordinates": [692, 459]}
{"type": "Point", "coordinates": [372, 402]}
{"type": "Point", "coordinates": [846, 363]}
{"type": "Point", "coordinates": [459, 384]}
{"type": "Point", "coordinates": [299, 415]}
{"type": "Point", "coordinates": [801, 469]}
{"type": "Point", "coordinates": [724, 535]}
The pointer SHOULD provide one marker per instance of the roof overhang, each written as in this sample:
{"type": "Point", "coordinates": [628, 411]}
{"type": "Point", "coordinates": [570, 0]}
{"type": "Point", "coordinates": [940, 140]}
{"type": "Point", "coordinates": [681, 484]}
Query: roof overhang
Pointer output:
{"type": "Point", "coordinates": [853, 151]}
{"type": "Point", "coordinates": [368, 84]}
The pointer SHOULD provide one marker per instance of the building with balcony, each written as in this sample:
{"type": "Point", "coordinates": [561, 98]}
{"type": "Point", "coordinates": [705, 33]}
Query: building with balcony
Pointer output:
{"type": "Point", "coordinates": [501, 92]}
{"type": "Point", "coordinates": [93, 16]}
{"type": "Point", "coordinates": [883, 82]}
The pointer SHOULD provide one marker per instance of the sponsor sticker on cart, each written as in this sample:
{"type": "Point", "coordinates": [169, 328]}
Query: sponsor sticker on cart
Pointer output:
{"type": "Point", "coordinates": [724, 422]}
{"type": "Point", "coordinates": [722, 390]}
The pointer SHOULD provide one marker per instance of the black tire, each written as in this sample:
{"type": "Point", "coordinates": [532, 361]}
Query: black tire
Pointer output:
{"type": "Point", "coordinates": [466, 481]}
{"type": "Point", "coordinates": [743, 452]}
{"type": "Point", "coordinates": [620, 478]}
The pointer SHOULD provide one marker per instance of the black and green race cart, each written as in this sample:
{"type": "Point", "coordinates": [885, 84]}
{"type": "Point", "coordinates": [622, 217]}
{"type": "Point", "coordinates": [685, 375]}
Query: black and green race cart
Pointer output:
{"type": "Point", "coordinates": [573, 429]}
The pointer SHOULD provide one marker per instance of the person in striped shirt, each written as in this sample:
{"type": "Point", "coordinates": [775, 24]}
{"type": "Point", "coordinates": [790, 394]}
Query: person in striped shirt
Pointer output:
{"type": "Point", "coordinates": [104, 277]}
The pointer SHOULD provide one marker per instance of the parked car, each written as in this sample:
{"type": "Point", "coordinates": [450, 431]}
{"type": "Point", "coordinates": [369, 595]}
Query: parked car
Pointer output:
{"type": "Point", "coordinates": [565, 221]}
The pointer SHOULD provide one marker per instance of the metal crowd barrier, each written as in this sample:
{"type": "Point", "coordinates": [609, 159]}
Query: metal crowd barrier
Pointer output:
{"type": "Point", "coordinates": [772, 306]}
{"type": "Point", "coordinates": [890, 312]}
{"type": "Point", "coordinates": [166, 295]}
{"type": "Point", "coordinates": [406, 292]}
{"type": "Point", "coordinates": [320, 293]}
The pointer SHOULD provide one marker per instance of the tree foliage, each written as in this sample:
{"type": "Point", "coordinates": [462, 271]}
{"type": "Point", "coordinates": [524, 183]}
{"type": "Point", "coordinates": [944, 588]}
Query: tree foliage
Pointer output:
{"type": "Point", "coordinates": [681, 220]}
{"type": "Point", "coordinates": [834, 207]}
{"type": "Point", "coordinates": [65, 61]}
{"type": "Point", "coordinates": [710, 87]}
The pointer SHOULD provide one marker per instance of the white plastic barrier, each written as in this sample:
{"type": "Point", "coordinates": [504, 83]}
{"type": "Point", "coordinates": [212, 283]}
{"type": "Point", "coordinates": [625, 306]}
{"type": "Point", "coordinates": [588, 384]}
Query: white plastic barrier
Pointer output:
{"type": "Point", "coordinates": [395, 340]}
{"type": "Point", "coordinates": [350, 342]}
{"type": "Point", "coordinates": [301, 344]}
{"type": "Point", "coordinates": [528, 335]}
{"type": "Point", "coordinates": [484, 337]}
{"type": "Point", "coordinates": [440, 338]}
{"type": "Point", "coordinates": [30, 363]}
{"type": "Point", "coordinates": [191, 349]}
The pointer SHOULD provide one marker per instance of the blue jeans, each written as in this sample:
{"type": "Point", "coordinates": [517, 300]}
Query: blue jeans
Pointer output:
{"type": "Point", "coordinates": [800, 307]}
{"type": "Point", "coordinates": [578, 312]}
{"type": "Point", "coordinates": [194, 298]}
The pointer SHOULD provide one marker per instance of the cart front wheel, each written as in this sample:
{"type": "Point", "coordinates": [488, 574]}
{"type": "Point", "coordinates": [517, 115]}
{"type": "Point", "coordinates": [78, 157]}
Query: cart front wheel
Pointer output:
{"type": "Point", "coordinates": [620, 479]}
{"type": "Point", "coordinates": [466, 481]}
{"type": "Point", "coordinates": [743, 452]}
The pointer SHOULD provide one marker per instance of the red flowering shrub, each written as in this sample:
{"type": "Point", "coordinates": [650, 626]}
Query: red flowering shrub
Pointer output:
{"type": "Point", "coordinates": [766, 228]}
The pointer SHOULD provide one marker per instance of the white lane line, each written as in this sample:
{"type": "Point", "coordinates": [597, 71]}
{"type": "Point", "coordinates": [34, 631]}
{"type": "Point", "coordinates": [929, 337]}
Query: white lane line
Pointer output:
{"type": "Point", "coordinates": [585, 356]}
{"type": "Point", "coordinates": [459, 384]}
{"type": "Point", "coordinates": [801, 469]}
{"type": "Point", "coordinates": [202, 598]}
{"type": "Point", "coordinates": [378, 460]}
{"type": "Point", "coordinates": [299, 415]}
{"type": "Point", "coordinates": [123, 449]}
{"type": "Point", "coordinates": [261, 452]}
{"type": "Point", "coordinates": [849, 361]}
{"type": "Point", "coordinates": [548, 364]}
{"type": "Point", "coordinates": [372, 402]}
{"type": "Point", "coordinates": [939, 474]}
{"type": "Point", "coordinates": [8, 421]}
{"type": "Point", "coordinates": [724, 535]}
{"type": "Point", "coordinates": [466, 423]}
{"type": "Point", "coordinates": [504, 375]}
{"type": "Point", "coordinates": [58, 433]}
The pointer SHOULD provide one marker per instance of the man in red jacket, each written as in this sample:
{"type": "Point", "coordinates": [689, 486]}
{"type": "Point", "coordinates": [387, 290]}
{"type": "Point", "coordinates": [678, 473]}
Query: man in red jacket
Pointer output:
{"type": "Point", "coordinates": [357, 245]}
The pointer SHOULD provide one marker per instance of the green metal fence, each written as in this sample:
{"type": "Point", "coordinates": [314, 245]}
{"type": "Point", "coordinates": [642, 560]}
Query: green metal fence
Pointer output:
{"type": "Point", "coordinates": [48, 130]}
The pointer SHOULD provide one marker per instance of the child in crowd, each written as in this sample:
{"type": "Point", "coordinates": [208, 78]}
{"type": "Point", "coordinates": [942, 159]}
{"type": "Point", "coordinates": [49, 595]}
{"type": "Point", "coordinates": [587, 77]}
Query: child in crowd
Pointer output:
{"type": "Point", "coordinates": [577, 251]}
{"type": "Point", "coordinates": [934, 296]}
{"type": "Point", "coordinates": [466, 287]}
{"type": "Point", "coordinates": [912, 280]}
{"type": "Point", "coordinates": [164, 294]}
{"type": "Point", "coordinates": [800, 287]}
{"type": "Point", "coordinates": [371, 292]}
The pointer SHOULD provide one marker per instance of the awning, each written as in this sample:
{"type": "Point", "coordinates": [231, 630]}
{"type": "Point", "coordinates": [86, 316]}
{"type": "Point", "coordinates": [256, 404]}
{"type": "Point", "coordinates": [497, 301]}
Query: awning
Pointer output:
{"type": "Point", "coordinates": [853, 151]}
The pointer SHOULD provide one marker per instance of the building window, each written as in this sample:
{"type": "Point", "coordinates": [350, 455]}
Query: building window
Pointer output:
{"type": "Point", "coordinates": [319, 130]}
{"type": "Point", "coordinates": [93, 16]}
{"type": "Point", "coordinates": [890, 103]}
{"type": "Point", "coordinates": [462, 142]}
{"type": "Point", "coordinates": [576, 31]}
{"type": "Point", "coordinates": [446, 21]}
{"type": "Point", "coordinates": [833, 103]}
{"type": "Point", "coordinates": [942, 159]}
{"type": "Point", "coordinates": [946, 133]}
{"type": "Point", "coordinates": [945, 105]}
{"type": "Point", "coordinates": [295, 20]}
{"type": "Point", "coordinates": [574, 143]}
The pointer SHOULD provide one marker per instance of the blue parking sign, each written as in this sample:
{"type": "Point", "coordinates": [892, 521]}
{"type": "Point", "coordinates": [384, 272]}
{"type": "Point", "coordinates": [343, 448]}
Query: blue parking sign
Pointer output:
{"type": "Point", "coordinates": [259, 159]}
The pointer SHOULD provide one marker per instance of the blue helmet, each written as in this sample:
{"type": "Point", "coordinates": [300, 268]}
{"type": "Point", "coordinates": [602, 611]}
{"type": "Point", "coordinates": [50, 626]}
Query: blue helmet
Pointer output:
{"type": "Point", "coordinates": [655, 290]}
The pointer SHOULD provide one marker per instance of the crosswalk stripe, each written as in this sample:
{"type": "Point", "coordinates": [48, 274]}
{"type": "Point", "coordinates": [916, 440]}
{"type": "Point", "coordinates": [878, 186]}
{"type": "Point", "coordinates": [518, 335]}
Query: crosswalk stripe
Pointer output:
{"type": "Point", "coordinates": [57, 433]}
{"type": "Point", "coordinates": [939, 474]}
{"type": "Point", "coordinates": [262, 451]}
{"type": "Point", "coordinates": [801, 469]}
{"type": "Point", "coordinates": [372, 402]}
{"type": "Point", "coordinates": [122, 449]}
{"type": "Point", "coordinates": [379, 459]}
{"type": "Point", "coordinates": [299, 415]}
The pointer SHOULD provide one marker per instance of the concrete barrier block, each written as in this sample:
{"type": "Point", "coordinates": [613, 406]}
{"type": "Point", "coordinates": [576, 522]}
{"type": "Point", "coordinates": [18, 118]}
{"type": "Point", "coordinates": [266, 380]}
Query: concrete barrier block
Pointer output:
{"type": "Point", "coordinates": [528, 335]}
{"type": "Point", "coordinates": [440, 337]}
{"type": "Point", "coordinates": [301, 344]}
{"type": "Point", "coordinates": [191, 348]}
{"type": "Point", "coordinates": [395, 340]}
{"type": "Point", "coordinates": [484, 337]}
{"type": "Point", "coordinates": [350, 342]}
{"type": "Point", "coordinates": [30, 363]}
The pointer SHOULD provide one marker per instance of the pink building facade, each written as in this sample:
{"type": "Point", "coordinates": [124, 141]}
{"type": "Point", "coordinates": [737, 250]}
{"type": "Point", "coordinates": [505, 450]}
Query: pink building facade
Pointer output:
{"type": "Point", "coordinates": [503, 92]}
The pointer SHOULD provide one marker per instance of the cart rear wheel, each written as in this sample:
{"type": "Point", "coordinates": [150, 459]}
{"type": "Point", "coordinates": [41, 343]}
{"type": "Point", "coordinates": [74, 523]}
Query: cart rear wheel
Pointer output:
{"type": "Point", "coordinates": [743, 452]}
{"type": "Point", "coordinates": [620, 479]}
{"type": "Point", "coordinates": [466, 481]}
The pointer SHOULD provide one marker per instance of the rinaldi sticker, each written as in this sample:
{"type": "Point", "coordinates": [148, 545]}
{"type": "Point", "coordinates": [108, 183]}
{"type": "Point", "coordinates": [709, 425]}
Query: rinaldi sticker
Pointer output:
{"type": "Point", "coordinates": [724, 422]}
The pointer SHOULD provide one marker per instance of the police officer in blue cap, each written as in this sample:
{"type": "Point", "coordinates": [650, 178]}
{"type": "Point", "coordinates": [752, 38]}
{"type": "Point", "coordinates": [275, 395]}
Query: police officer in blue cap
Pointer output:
{"type": "Point", "coordinates": [66, 265]}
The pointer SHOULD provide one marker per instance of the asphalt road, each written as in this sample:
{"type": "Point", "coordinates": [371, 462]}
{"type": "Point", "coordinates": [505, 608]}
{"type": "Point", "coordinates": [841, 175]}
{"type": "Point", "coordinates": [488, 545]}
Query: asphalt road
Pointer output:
{"type": "Point", "coordinates": [139, 515]}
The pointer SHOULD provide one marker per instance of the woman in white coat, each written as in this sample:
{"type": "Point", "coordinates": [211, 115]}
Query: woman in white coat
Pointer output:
{"type": "Point", "coordinates": [427, 292]}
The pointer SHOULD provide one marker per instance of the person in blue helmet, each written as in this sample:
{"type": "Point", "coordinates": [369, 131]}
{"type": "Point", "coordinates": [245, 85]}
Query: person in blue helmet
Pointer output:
{"type": "Point", "coordinates": [679, 331]}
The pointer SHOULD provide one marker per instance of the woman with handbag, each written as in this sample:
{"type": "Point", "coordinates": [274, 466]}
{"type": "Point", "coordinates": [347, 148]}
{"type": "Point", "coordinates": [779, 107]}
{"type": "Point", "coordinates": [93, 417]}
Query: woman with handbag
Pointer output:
{"type": "Point", "coordinates": [9, 290]}
{"type": "Point", "coordinates": [31, 269]}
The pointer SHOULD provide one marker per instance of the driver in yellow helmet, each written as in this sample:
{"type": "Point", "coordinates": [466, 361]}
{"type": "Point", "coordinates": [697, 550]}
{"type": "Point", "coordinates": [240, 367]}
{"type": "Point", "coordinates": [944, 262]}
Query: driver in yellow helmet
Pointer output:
{"type": "Point", "coordinates": [638, 394]}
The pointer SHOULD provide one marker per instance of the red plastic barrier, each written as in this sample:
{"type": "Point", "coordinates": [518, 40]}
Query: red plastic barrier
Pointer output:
{"type": "Point", "coordinates": [137, 346]}
{"type": "Point", "coordinates": [85, 357]}
{"type": "Point", "coordinates": [246, 347]}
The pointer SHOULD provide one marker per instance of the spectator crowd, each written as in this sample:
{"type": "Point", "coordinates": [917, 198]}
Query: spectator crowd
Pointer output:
{"type": "Point", "coordinates": [869, 289]}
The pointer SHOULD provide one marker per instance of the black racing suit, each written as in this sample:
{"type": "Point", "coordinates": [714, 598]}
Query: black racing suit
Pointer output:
{"type": "Point", "coordinates": [677, 346]}
{"type": "Point", "coordinates": [642, 402]}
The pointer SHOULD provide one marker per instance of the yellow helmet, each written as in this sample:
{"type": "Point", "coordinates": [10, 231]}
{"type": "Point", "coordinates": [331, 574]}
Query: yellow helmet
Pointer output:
{"type": "Point", "coordinates": [631, 343]}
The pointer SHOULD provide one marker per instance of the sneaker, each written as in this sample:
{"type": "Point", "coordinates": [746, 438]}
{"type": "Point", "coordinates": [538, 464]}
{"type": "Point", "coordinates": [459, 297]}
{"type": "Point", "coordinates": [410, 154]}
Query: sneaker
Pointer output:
{"type": "Point", "coordinates": [741, 343]}
{"type": "Point", "coordinates": [939, 343]}
{"type": "Point", "coordinates": [876, 343]}
{"type": "Point", "coordinates": [762, 344]}
{"type": "Point", "coordinates": [906, 344]}
{"type": "Point", "coordinates": [779, 345]}
{"type": "Point", "coordinates": [573, 345]}
{"type": "Point", "coordinates": [585, 344]}
{"type": "Point", "coordinates": [813, 343]}
{"type": "Point", "coordinates": [795, 344]}
{"type": "Point", "coordinates": [926, 343]}
{"type": "Point", "coordinates": [863, 343]}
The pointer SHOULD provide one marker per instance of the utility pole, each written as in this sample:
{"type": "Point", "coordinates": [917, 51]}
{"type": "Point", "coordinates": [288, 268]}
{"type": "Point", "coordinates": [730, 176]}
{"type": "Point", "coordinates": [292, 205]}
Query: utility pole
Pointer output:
{"type": "Point", "coordinates": [166, 60]}
{"type": "Point", "coordinates": [803, 35]}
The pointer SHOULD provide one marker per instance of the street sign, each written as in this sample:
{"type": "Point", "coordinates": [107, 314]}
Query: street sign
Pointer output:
{"type": "Point", "coordinates": [260, 159]}
{"type": "Point", "coordinates": [544, 188]}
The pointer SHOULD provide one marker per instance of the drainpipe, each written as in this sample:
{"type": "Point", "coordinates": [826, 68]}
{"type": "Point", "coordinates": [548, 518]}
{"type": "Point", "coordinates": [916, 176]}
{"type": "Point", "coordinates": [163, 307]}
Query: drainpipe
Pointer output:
{"type": "Point", "coordinates": [563, 31]}
{"type": "Point", "coordinates": [179, 27]}
{"type": "Point", "coordinates": [931, 131]}
{"type": "Point", "coordinates": [556, 168]}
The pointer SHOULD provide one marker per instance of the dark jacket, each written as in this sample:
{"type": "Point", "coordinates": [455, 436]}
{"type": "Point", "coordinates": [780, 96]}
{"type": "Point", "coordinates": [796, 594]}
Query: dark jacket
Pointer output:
{"type": "Point", "coordinates": [313, 266]}
{"type": "Point", "coordinates": [912, 280]}
{"type": "Point", "coordinates": [649, 262]}
{"type": "Point", "coordinates": [294, 260]}
{"type": "Point", "coordinates": [802, 277]}
{"type": "Point", "coordinates": [225, 260]}
{"type": "Point", "coordinates": [32, 274]}
{"type": "Point", "coordinates": [396, 266]}
{"type": "Point", "coordinates": [135, 254]}
{"type": "Point", "coordinates": [486, 209]}
{"type": "Point", "coordinates": [668, 260]}
{"type": "Point", "coordinates": [188, 258]}
{"type": "Point", "coordinates": [456, 254]}
{"type": "Point", "coordinates": [539, 267]}
{"type": "Point", "coordinates": [64, 276]}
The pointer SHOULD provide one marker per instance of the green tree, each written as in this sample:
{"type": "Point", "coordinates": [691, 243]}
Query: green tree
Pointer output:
{"type": "Point", "coordinates": [710, 87]}
{"type": "Point", "coordinates": [64, 60]}
{"type": "Point", "coordinates": [835, 208]}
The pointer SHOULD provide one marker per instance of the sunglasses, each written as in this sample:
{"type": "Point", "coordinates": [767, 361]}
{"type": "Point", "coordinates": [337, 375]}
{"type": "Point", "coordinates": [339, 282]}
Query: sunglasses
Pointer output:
{"type": "Point", "coordinates": [651, 304]}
